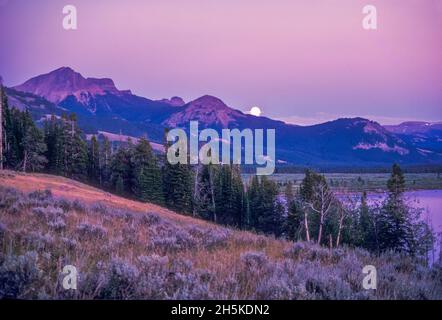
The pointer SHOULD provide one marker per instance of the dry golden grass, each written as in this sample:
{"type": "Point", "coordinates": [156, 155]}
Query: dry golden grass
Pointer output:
{"type": "Point", "coordinates": [71, 189]}
{"type": "Point", "coordinates": [224, 263]}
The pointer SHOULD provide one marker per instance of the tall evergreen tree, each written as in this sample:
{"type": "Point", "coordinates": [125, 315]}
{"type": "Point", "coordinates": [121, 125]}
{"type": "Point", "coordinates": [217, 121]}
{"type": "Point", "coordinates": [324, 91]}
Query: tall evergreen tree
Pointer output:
{"type": "Point", "coordinates": [77, 157]}
{"type": "Point", "coordinates": [294, 226]}
{"type": "Point", "coordinates": [229, 196]}
{"type": "Point", "coordinates": [5, 121]}
{"type": "Point", "coordinates": [204, 200]}
{"type": "Point", "coordinates": [254, 199]}
{"type": "Point", "coordinates": [395, 222]}
{"type": "Point", "coordinates": [367, 226]}
{"type": "Point", "coordinates": [14, 133]}
{"type": "Point", "coordinates": [147, 180]}
{"type": "Point", "coordinates": [33, 146]}
{"type": "Point", "coordinates": [121, 169]}
{"type": "Point", "coordinates": [178, 186]}
{"type": "Point", "coordinates": [265, 209]}
{"type": "Point", "coordinates": [54, 142]}
{"type": "Point", "coordinates": [94, 161]}
{"type": "Point", "coordinates": [105, 157]}
{"type": "Point", "coordinates": [396, 183]}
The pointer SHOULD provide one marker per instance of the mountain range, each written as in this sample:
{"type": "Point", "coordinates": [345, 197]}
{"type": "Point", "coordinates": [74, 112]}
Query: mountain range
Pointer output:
{"type": "Point", "coordinates": [102, 108]}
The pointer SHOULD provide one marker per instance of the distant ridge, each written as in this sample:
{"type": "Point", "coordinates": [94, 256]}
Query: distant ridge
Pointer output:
{"type": "Point", "coordinates": [101, 107]}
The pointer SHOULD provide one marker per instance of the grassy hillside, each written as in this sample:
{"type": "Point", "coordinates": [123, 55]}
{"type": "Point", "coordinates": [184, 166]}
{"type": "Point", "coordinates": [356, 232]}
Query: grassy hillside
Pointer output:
{"type": "Point", "coordinates": [125, 249]}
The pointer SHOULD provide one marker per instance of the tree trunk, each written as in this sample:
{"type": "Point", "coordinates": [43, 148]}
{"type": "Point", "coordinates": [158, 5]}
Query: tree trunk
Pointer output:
{"type": "Point", "coordinates": [338, 239]}
{"type": "Point", "coordinates": [320, 228]}
{"type": "Point", "coordinates": [195, 188]}
{"type": "Point", "coordinates": [212, 192]}
{"type": "Point", "coordinates": [307, 233]}
{"type": "Point", "coordinates": [25, 159]}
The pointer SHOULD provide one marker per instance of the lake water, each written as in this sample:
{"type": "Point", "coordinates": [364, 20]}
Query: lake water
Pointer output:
{"type": "Point", "coordinates": [430, 200]}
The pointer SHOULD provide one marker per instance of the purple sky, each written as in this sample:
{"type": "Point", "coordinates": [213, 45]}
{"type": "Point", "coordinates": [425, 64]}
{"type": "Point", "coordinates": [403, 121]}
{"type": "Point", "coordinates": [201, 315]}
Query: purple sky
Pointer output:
{"type": "Point", "coordinates": [304, 61]}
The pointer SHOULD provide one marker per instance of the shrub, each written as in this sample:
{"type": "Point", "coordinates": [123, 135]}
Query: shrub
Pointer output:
{"type": "Point", "coordinates": [58, 224]}
{"type": "Point", "coordinates": [254, 260]}
{"type": "Point", "coordinates": [18, 275]}
{"type": "Point", "coordinates": [40, 195]}
{"type": "Point", "coordinates": [121, 282]}
{"type": "Point", "coordinates": [274, 288]}
{"type": "Point", "coordinates": [64, 204]}
{"type": "Point", "coordinates": [68, 243]}
{"type": "Point", "coordinates": [39, 241]}
{"type": "Point", "coordinates": [91, 230]}
{"type": "Point", "coordinates": [150, 219]}
{"type": "Point", "coordinates": [3, 231]}
{"type": "Point", "coordinates": [78, 206]}
{"type": "Point", "coordinates": [49, 213]}
{"type": "Point", "coordinates": [11, 201]}
{"type": "Point", "coordinates": [210, 238]}
{"type": "Point", "coordinates": [100, 208]}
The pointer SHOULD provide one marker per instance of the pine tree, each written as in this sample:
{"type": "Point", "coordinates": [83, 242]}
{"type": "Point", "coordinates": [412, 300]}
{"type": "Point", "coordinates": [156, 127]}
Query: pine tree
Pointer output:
{"type": "Point", "coordinates": [5, 127]}
{"type": "Point", "coordinates": [395, 230]}
{"type": "Point", "coordinates": [288, 192]}
{"type": "Point", "coordinates": [33, 145]}
{"type": "Point", "coordinates": [14, 133]}
{"type": "Point", "coordinates": [77, 157]}
{"type": "Point", "coordinates": [120, 188]}
{"type": "Point", "coordinates": [265, 210]}
{"type": "Point", "coordinates": [229, 196]}
{"type": "Point", "coordinates": [23, 142]}
{"type": "Point", "coordinates": [94, 161]}
{"type": "Point", "coordinates": [307, 185]}
{"type": "Point", "coordinates": [54, 143]}
{"type": "Point", "coordinates": [121, 169]}
{"type": "Point", "coordinates": [204, 199]}
{"type": "Point", "coordinates": [367, 231]}
{"type": "Point", "coordinates": [254, 199]}
{"type": "Point", "coordinates": [396, 183]}
{"type": "Point", "coordinates": [294, 226]}
{"type": "Point", "coordinates": [105, 157]}
{"type": "Point", "coordinates": [177, 185]}
{"type": "Point", "coordinates": [147, 180]}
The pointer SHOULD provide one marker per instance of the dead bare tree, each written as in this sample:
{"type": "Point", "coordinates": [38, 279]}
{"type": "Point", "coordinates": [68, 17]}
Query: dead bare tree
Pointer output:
{"type": "Point", "coordinates": [196, 191]}
{"type": "Point", "coordinates": [306, 226]}
{"type": "Point", "coordinates": [212, 192]}
{"type": "Point", "coordinates": [346, 206]}
{"type": "Point", "coordinates": [323, 200]}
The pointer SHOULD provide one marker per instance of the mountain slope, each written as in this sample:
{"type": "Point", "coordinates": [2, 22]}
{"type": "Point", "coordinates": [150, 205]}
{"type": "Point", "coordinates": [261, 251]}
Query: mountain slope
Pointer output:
{"type": "Point", "coordinates": [125, 249]}
{"type": "Point", "coordinates": [426, 137]}
{"type": "Point", "coordinates": [100, 106]}
{"type": "Point", "coordinates": [55, 86]}
{"type": "Point", "coordinates": [412, 127]}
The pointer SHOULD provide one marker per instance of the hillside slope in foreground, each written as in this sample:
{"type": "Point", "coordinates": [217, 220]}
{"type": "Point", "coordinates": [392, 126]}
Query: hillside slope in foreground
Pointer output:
{"type": "Point", "coordinates": [124, 249]}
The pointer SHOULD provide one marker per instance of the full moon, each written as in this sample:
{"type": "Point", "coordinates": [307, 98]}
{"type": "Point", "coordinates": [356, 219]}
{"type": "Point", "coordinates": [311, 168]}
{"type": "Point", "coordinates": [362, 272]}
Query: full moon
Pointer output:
{"type": "Point", "coordinates": [255, 111]}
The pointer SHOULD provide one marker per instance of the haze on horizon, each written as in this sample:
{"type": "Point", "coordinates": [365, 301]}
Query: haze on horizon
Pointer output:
{"type": "Point", "coordinates": [300, 61]}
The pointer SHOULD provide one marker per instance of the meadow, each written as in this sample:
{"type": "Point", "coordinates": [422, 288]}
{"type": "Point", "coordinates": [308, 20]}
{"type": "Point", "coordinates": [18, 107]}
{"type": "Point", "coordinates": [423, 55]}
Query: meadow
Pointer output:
{"type": "Point", "coordinates": [359, 182]}
{"type": "Point", "coordinates": [125, 249]}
